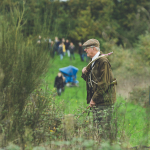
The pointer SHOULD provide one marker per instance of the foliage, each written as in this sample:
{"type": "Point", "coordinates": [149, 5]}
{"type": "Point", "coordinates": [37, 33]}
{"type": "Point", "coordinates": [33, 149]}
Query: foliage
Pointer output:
{"type": "Point", "coordinates": [83, 135]}
{"type": "Point", "coordinates": [91, 19]}
{"type": "Point", "coordinates": [22, 65]}
{"type": "Point", "coordinates": [78, 143]}
{"type": "Point", "coordinates": [40, 118]}
{"type": "Point", "coordinates": [129, 116]}
{"type": "Point", "coordinates": [119, 54]}
{"type": "Point", "coordinates": [83, 26]}
{"type": "Point", "coordinates": [132, 18]}
{"type": "Point", "coordinates": [12, 147]}
{"type": "Point", "coordinates": [143, 48]}
{"type": "Point", "coordinates": [140, 96]}
{"type": "Point", "coordinates": [129, 62]}
{"type": "Point", "coordinates": [31, 111]}
{"type": "Point", "coordinates": [81, 20]}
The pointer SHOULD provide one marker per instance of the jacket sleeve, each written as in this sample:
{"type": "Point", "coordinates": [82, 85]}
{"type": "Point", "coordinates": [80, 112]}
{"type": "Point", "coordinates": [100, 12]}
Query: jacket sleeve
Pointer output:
{"type": "Point", "coordinates": [103, 84]}
{"type": "Point", "coordinates": [84, 76]}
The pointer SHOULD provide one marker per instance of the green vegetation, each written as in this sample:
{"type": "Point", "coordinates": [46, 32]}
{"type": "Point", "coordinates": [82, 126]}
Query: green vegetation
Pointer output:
{"type": "Point", "coordinates": [73, 96]}
{"type": "Point", "coordinates": [32, 116]}
{"type": "Point", "coordinates": [81, 20]}
{"type": "Point", "coordinates": [132, 121]}
{"type": "Point", "coordinates": [131, 117]}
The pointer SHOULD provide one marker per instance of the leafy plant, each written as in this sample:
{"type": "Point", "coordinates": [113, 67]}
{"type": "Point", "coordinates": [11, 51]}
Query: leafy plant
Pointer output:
{"type": "Point", "coordinates": [143, 48]}
{"type": "Point", "coordinates": [139, 96]}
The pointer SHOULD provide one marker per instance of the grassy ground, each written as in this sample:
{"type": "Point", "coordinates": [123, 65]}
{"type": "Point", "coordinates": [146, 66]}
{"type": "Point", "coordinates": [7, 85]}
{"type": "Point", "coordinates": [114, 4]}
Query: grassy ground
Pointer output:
{"type": "Point", "coordinates": [132, 123]}
{"type": "Point", "coordinates": [132, 119]}
{"type": "Point", "coordinates": [72, 96]}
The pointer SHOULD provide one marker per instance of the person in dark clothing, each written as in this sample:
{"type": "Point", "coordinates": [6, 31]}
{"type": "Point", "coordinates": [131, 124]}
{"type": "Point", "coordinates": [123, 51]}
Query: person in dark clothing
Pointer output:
{"type": "Point", "coordinates": [59, 83]}
{"type": "Point", "coordinates": [57, 43]}
{"type": "Point", "coordinates": [67, 44]}
{"type": "Point", "coordinates": [71, 49]}
{"type": "Point", "coordinates": [60, 51]}
{"type": "Point", "coordinates": [81, 51]}
{"type": "Point", "coordinates": [101, 93]}
{"type": "Point", "coordinates": [55, 49]}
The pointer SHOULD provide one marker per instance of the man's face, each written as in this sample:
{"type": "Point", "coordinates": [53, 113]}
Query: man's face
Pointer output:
{"type": "Point", "coordinates": [90, 51]}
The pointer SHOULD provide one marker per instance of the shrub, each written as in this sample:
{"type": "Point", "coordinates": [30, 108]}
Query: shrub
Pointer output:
{"type": "Point", "coordinates": [22, 64]}
{"type": "Point", "coordinates": [118, 56]}
{"type": "Point", "coordinates": [39, 121]}
{"type": "Point", "coordinates": [13, 147]}
{"type": "Point", "coordinates": [143, 47]}
{"type": "Point", "coordinates": [139, 96]}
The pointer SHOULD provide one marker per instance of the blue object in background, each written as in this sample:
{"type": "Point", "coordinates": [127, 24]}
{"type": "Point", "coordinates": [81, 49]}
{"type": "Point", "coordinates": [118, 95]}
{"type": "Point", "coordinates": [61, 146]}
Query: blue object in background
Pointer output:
{"type": "Point", "coordinates": [69, 73]}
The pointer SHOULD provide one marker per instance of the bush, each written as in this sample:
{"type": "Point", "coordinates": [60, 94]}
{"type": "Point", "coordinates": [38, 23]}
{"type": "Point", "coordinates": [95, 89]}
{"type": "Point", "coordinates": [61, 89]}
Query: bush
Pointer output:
{"type": "Point", "coordinates": [143, 48]}
{"type": "Point", "coordinates": [22, 64]}
{"type": "Point", "coordinates": [139, 96]}
{"type": "Point", "coordinates": [39, 121]}
{"type": "Point", "coordinates": [76, 143]}
{"type": "Point", "coordinates": [118, 56]}
{"type": "Point", "coordinates": [13, 147]}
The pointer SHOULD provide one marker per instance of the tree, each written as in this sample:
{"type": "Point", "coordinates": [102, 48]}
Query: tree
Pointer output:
{"type": "Point", "coordinates": [22, 63]}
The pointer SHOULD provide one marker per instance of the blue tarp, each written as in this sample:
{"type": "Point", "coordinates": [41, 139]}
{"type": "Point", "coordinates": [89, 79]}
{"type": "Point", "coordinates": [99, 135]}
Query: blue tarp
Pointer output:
{"type": "Point", "coordinates": [69, 73]}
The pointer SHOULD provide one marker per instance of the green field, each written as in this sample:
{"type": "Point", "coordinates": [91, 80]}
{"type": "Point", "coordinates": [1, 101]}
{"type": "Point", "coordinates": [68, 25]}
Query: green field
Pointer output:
{"type": "Point", "coordinates": [132, 119]}
{"type": "Point", "coordinates": [72, 96]}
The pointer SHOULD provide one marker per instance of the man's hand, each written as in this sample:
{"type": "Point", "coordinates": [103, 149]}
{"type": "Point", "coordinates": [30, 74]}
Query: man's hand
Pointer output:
{"type": "Point", "coordinates": [92, 103]}
{"type": "Point", "coordinates": [84, 70]}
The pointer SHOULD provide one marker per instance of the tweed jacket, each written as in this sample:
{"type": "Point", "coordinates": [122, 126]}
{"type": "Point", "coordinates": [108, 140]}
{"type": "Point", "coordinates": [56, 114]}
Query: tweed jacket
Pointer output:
{"type": "Point", "coordinates": [101, 92]}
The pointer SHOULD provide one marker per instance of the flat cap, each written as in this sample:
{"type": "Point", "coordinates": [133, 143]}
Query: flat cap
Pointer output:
{"type": "Point", "coordinates": [91, 42]}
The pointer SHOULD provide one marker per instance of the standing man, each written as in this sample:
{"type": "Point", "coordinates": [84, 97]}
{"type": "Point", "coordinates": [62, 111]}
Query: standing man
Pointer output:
{"type": "Point", "coordinates": [57, 42]}
{"type": "Point", "coordinates": [81, 51]}
{"type": "Point", "coordinates": [101, 93]}
{"type": "Point", "coordinates": [71, 49]}
{"type": "Point", "coordinates": [67, 44]}
{"type": "Point", "coordinates": [60, 51]}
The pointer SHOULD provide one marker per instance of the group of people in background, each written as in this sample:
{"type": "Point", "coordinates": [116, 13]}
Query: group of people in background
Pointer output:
{"type": "Point", "coordinates": [63, 47]}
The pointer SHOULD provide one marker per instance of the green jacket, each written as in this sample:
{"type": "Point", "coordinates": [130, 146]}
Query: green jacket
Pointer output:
{"type": "Point", "coordinates": [101, 92]}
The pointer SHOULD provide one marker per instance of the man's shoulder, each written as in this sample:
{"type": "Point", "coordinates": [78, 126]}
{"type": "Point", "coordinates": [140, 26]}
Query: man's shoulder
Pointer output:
{"type": "Point", "coordinates": [103, 59]}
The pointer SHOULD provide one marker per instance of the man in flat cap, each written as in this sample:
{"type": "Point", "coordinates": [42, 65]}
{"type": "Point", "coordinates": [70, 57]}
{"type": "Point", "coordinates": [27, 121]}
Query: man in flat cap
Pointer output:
{"type": "Point", "coordinates": [101, 93]}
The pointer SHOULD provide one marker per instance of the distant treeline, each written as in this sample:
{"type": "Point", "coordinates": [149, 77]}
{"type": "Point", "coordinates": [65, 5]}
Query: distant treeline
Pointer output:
{"type": "Point", "coordinates": [80, 20]}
